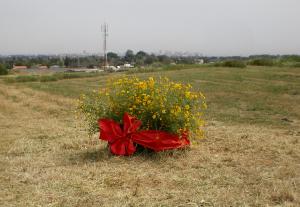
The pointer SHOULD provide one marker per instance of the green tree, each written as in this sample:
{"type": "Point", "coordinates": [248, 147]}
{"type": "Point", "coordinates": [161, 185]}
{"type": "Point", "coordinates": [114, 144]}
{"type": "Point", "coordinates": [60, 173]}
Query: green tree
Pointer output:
{"type": "Point", "coordinates": [113, 58]}
{"type": "Point", "coordinates": [67, 62]}
{"type": "Point", "coordinates": [129, 56]}
{"type": "Point", "coordinates": [150, 59]}
{"type": "Point", "coordinates": [164, 59]}
{"type": "Point", "coordinates": [140, 57]}
{"type": "Point", "coordinates": [141, 54]}
{"type": "Point", "coordinates": [111, 55]}
{"type": "Point", "coordinates": [29, 64]}
{"type": "Point", "coordinates": [3, 70]}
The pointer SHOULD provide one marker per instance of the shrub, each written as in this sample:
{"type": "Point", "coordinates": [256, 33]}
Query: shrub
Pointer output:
{"type": "Point", "coordinates": [231, 64]}
{"type": "Point", "coordinates": [295, 65]}
{"type": "Point", "coordinates": [48, 78]}
{"type": "Point", "coordinates": [71, 75]}
{"type": "Point", "coordinates": [3, 70]}
{"type": "Point", "coordinates": [22, 78]}
{"type": "Point", "coordinates": [234, 64]}
{"type": "Point", "coordinates": [27, 78]}
{"type": "Point", "coordinates": [142, 70]}
{"type": "Point", "coordinates": [261, 62]}
{"type": "Point", "coordinates": [159, 103]}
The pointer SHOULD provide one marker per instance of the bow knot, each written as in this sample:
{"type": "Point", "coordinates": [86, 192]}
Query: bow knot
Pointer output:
{"type": "Point", "coordinates": [122, 140]}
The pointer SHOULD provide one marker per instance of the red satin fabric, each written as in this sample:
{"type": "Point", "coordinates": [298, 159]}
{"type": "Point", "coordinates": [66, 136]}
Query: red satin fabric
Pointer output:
{"type": "Point", "coordinates": [122, 142]}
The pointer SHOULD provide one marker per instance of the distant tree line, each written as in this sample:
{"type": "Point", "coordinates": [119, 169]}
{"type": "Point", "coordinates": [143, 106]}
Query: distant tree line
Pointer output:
{"type": "Point", "coordinates": [256, 60]}
{"type": "Point", "coordinates": [142, 58]}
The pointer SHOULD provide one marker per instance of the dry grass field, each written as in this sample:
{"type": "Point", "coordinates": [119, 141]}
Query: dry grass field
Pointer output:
{"type": "Point", "coordinates": [250, 155]}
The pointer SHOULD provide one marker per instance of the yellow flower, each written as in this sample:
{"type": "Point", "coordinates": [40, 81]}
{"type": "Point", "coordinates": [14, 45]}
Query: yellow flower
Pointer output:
{"type": "Point", "coordinates": [177, 108]}
{"type": "Point", "coordinates": [187, 94]}
{"type": "Point", "coordinates": [154, 116]}
{"type": "Point", "coordinates": [186, 115]}
{"type": "Point", "coordinates": [201, 95]}
{"type": "Point", "coordinates": [178, 86]}
{"type": "Point", "coordinates": [151, 82]}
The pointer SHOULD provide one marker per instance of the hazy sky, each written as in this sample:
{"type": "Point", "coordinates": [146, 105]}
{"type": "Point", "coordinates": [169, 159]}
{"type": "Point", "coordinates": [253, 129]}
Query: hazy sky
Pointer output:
{"type": "Point", "coordinates": [210, 27]}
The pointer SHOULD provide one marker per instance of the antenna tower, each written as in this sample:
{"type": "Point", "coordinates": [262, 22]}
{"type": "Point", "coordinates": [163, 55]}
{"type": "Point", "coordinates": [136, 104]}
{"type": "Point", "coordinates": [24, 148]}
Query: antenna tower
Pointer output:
{"type": "Point", "coordinates": [104, 29]}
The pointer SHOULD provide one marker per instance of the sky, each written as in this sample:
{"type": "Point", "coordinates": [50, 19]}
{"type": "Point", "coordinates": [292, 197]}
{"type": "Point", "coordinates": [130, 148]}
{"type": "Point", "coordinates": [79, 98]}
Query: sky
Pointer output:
{"type": "Point", "coordinates": [207, 27]}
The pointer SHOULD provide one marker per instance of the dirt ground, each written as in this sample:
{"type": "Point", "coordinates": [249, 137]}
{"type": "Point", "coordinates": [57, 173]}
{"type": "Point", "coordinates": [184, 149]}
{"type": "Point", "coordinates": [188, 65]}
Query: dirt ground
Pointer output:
{"type": "Point", "coordinates": [47, 159]}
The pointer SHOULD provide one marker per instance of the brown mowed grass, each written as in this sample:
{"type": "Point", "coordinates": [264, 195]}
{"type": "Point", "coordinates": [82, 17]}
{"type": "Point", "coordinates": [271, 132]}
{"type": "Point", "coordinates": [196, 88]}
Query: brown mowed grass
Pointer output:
{"type": "Point", "coordinates": [47, 159]}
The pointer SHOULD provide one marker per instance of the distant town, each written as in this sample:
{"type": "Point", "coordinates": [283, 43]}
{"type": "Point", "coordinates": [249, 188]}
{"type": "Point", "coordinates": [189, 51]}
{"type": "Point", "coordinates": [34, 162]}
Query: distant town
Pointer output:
{"type": "Point", "coordinates": [130, 59]}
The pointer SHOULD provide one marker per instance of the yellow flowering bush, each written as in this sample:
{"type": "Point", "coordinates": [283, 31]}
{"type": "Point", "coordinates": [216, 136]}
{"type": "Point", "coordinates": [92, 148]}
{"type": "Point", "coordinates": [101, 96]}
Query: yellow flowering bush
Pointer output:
{"type": "Point", "coordinates": [159, 103]}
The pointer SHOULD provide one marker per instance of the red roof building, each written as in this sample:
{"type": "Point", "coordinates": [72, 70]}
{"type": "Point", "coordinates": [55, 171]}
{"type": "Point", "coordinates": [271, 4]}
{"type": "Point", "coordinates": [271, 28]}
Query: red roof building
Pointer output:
{"type": "Point", "coordinates": [20, 67]}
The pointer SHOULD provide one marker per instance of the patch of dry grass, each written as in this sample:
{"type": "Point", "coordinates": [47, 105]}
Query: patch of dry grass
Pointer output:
{"type": "Point", "coordinates": [47, 159]}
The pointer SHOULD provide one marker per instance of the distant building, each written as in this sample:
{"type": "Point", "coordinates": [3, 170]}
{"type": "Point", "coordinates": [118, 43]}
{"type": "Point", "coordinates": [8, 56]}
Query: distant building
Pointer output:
{"type": "Point", "coordinates": [43, 67]}
{"type": "Point", "coordinates": [20, 67]}
{"type": "Point", "coordinates": [54, 67]}
{"type": "Point", "coordinates": [110, 68]}
{"type": "Point", "coordinates": [199, 61]}
{"type": "Point", "coordinates": [87, 70]}
{"type": "Point", "coordinates": [128, 65]}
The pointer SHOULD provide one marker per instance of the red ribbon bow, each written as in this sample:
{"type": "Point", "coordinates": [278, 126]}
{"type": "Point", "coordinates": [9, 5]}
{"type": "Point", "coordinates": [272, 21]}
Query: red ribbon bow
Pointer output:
{"type": "Point", "coordinates": [122, 142]}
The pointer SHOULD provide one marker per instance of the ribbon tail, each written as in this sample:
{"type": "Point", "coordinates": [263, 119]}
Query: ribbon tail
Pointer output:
{"type": "Point", "coordinates": [160, 140]}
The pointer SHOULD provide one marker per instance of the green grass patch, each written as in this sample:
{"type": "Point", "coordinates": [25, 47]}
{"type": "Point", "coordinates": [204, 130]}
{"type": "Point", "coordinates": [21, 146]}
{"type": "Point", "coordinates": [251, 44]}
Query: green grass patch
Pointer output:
{"type": "Point", "coordinates": [253, 95]}
{"type": "Point", "coordinates": [50, 77]}
{"type": "Point", "coordinates": [150, 69]}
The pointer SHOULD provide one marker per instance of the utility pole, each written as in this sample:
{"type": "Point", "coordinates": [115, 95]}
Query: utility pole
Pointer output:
{"type": "Point", "coordinates": [104, 29]}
